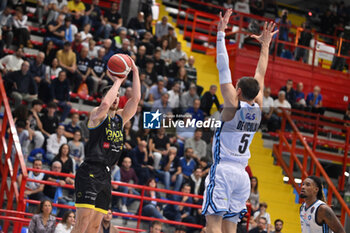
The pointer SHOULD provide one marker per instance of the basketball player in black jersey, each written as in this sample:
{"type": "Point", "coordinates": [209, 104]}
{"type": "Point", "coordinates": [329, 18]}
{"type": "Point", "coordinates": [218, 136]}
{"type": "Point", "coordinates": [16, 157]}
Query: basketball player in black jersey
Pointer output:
{"type": "Point", "coordinates": [315, 215]}
{"type": "Point", "coordinates": [93, 178]}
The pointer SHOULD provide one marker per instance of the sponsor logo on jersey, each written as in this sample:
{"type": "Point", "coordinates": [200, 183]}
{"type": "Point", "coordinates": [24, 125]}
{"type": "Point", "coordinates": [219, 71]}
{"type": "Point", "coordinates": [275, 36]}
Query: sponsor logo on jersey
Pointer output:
{"type": "Point", "coordinates": [106, 145]}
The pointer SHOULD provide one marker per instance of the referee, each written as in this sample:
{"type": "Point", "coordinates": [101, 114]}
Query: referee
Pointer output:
{"type": "Point", "coordinates": [93, 178]}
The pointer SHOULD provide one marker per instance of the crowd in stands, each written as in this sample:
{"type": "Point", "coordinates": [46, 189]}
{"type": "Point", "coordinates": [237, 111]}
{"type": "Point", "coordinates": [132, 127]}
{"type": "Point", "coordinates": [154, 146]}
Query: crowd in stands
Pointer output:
{"type": "Point", "coordinates": [79, 39]}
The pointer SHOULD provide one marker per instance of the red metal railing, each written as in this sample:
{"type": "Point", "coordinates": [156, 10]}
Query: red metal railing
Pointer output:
{"type": "Point", "coordinates": [306, 168]}
{"type": "Point", "coordinates": [140, 197]}
{"type": "Point", "coordinates": [8, 167]}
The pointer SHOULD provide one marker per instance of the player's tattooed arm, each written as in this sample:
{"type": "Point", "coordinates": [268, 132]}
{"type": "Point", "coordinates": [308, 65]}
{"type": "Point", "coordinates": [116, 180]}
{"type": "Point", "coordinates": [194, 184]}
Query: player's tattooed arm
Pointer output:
{"type": "Point", "coordinates": [264, 39]}
{"type": "Point", "coordinates": [326, 215]}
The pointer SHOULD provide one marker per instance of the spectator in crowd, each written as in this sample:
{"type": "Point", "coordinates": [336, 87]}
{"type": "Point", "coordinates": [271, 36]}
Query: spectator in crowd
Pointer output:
{"type": "Point", "coordinates": [98, 66]}
{"type": "Point", "coordinates": [278, 226]}
{"type": "Point", "coordinates": [172, 40]}
{"type": "Point", "coordinates": [12, 62]}
{"type": "Point", "coordinates": [33, 189]}
{"type": "Point", "coordinates": [77, 44]}
{"type": "Point", "coordinates": [109, 49]}
{"type": "Point", "coordinates": [49, 120]}
{"type": "Point", "coordinates": [93, 50]}
{"type": "Point", "coordinates": [43, 221]}
{"type": "Point", "coordinates": [38, 68]}
{"type": "Point", "coordinates": [50, 52]}
{"type": "Point", "coordinates": [162, 104]}
{"type": "Point", "coordinates": [72, 126]}
{"type": "Point", "coordinates": [97, 21]}
{"type": "Point", "coordinates": [300, 96]}
{"type": "Point", "coordinates": [113, 20]}
{"type": "Point", "coordinates": [261, 226]}
{"type": "Point", "coordinates": [285, 24]}
{"type": "Point", "coordinates": [6, 26]}
{"type": "Point", "coordinates": [269, 119]}
{"type": "Point", "coordinates": [197, 144]}
{"type": "Point", "coordinates": [327, 22]}
{"type": "Point", "coordinates": [177, 53]}
{"type": "Point", "coordinates": [56, 31]}
{"type": "Point", "coordinates": [151, 74]}
{"type": "Point", "coordinates": [129, 136]}
{"type": "Point", "coordinates": [171, 171]}
{"type": "Point", "coordinates": [159, 63]}
{"type": "Point", "coordinates": [180, 229]}
{"type": "Point", "coordinates": [35, 124]}
{"type": "Point", "coordinates": [174, 97]}
{"type": "Point", "coordinates": [314, 101]}
{"type": "Point", "coordinates": [106, 224]}
{"type": "Point", "coordinates": [182, 79]}
{"type": "Point", "coordinates": [76, 148]}
{"type": "Point", "coordinates": [156, 227]}
{"type": "Point", "coordinates": [152, 208]}
{"type": "Point", "coordinates": [50, 190]}
{"type": "Point", "coordinates": [290, 92]}
{"type": "Point", "coordinates": [68, 61]}
{"type": "Point", "coordinates": [197, 182]}
{"type": "Point", "coordinates": [257, 7]}
{"type": "Point", "coordinates": [304, 40]}
{"type": "Point", "coordinates": [66, 161]}
{"type": "Point", "coordinates": [178, 212]}
{"type": "Point", "coordinates": [24, 141]}
{"type": "Point", "coordinates": [137, 120]}
{"type": "Point", "coordinates": [22, 85]}
{"type": "Point", "coordinates": [156, 91]}
{"type": "Point", "coordinates": [254, 194]}
{"type": "Point", "coordinates": [61, 8]}
{"type": "Point", "coordinates": [54, 143]}
{"type": "Point", "coordinates": [60, 94]}
{"type": "Point", "coordinates": [52, 71]}
{"type": "Point", "coordinates": [162, 28]}
{"type": "Point", "coordinates": [83, 68]}
{"type": "Point", "coordinates": [118, 39]}
{"type": "Point", "coordinates": [43, 9]}
{"type": "Point", "coordinates": [191, 70]}
{"type": "Point", "coordinates": [188, 97]}
{"type": "Point", "coordinates": [70, 29]}
{"type": "Point", "coordinates": [262, 213]}
{"type": "Point", "coordinates": [141, 161]}
{"type": "Point", "coordinates": [86, 36]}
{"type": "Point", "coordinates": [127, 175]}
{"type": "Point", "coordinates": [159, 146]}
{"type": "Point", "coordinates": [124, 99]}
{"type": "Point", "coordinates": [20, 28]}
{"type": "Point", "coordinates": [124, 47]}
{"type": "Point", "coordinates": [187, 164]}
{"type": "Point", "coordinates": [208, 99]}
{"type": "Point", "coordinates": [281, 102]}
{"type": "Point", "coordinates": [137, 24]}
{"type": "Point", "coordinates": [77, 9]}
{"type": "Point", "coordinates": [67, 223]}
{"type": "Point", "coordinates": [141, 57]}
{"type": "Point", "coordinates": [195, 111]}
{"type": "Point", "coordinates": [165, 52]}
{"type": "Point", "coordinates": [147, 42]}
{"type": "Point", "coordinates": [242, 6]}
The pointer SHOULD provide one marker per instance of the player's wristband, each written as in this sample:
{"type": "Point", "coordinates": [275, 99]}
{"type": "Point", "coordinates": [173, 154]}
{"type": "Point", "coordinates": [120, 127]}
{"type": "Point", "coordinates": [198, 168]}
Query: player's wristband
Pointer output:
{"type": "Point", "coordinates": [57, 181]}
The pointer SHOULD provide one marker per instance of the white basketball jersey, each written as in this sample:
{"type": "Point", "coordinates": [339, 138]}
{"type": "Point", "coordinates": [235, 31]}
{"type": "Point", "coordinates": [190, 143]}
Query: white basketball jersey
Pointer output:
{"type": "Point", "coordinates": [236, 135]}
{"type": "Point", "coordinates": [308, 219]}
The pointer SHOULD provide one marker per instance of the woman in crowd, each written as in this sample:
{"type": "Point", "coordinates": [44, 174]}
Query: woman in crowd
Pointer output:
{"type": "Point", "coordinates": [50, 52]}
{"type": "Point", "coordinates": [254, 194]}
{"type": "Point", "coordinates": [67, 223]}
{"type": "Point", "coordinates": [165, 53]}
{"type": "Point", "coordinates": [76, 148]}
{"type": "Point", "coordinates": [152, 208]}
{"type": "Point", "coordinates": [65, 159]}
{"type": "Point", "coordinates": [43, 221]}
{"type": "Point", "coordinates": [53, 70]}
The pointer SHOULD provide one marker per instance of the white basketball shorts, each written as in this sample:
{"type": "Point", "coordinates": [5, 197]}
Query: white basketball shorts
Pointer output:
{"type": "Point", "coordinates": [227, 190]}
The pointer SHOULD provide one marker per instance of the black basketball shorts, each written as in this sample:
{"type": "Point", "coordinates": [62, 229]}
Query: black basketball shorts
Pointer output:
{"type": "Point", "coordinates": [93, 187]}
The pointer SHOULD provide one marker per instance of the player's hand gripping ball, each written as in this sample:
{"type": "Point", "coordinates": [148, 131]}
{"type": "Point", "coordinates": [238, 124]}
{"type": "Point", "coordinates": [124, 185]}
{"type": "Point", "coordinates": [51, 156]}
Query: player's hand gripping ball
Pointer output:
{"type": "Point", "coordinates": [119, 65]}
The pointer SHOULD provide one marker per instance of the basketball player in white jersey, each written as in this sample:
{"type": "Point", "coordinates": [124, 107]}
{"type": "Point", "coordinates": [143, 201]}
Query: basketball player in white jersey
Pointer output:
{"type": "Point", "coordinates": [315, 215]}
{"type": "Point", "coordinates": [228, 184]}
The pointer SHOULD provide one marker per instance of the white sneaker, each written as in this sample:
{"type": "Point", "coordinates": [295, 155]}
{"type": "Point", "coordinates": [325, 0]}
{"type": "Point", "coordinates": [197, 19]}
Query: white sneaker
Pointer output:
{"type": "Point", "coordinates": [124, 209]}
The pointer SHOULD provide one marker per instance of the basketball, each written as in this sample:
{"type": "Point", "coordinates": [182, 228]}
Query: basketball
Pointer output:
{"type": "Point", "coordinates": [119, 65]}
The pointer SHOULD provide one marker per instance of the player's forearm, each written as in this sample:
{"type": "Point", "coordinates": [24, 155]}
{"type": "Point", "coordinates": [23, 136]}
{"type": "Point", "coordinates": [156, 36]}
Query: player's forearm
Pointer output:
{"type": "Point", "coordinates": [136, 86]}
{"type": "Point", "coordinates": [262, 64]}
{"type": "Point", "coordinates": [222, 62]}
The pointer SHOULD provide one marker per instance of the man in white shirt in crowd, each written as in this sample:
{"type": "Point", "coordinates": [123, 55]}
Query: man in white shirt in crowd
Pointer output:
{"type": "Point", "coordinates": [281, 102]}
{"type": "Point", "coordinates": [54, 142]}
{"type": "Point", "coordinates": [197, 144]}
{"type": "Point", "coordinates": [12, 62]}
{"type": "Point", "coordinates": [177, 53]}
{"type": "Point", "coordinates": [162, 28]}
{"type": "Point", "coordinates": [269, 119]}
{"type": "Point", "coordinates": [174, 96]}
{"type": "Point", "coordinates": [34, 189]}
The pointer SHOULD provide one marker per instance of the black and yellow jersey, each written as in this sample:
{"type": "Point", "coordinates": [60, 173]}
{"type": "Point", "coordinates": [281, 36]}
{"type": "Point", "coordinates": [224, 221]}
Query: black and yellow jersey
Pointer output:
{"type": "Point", "coordinates": [105, 143]}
